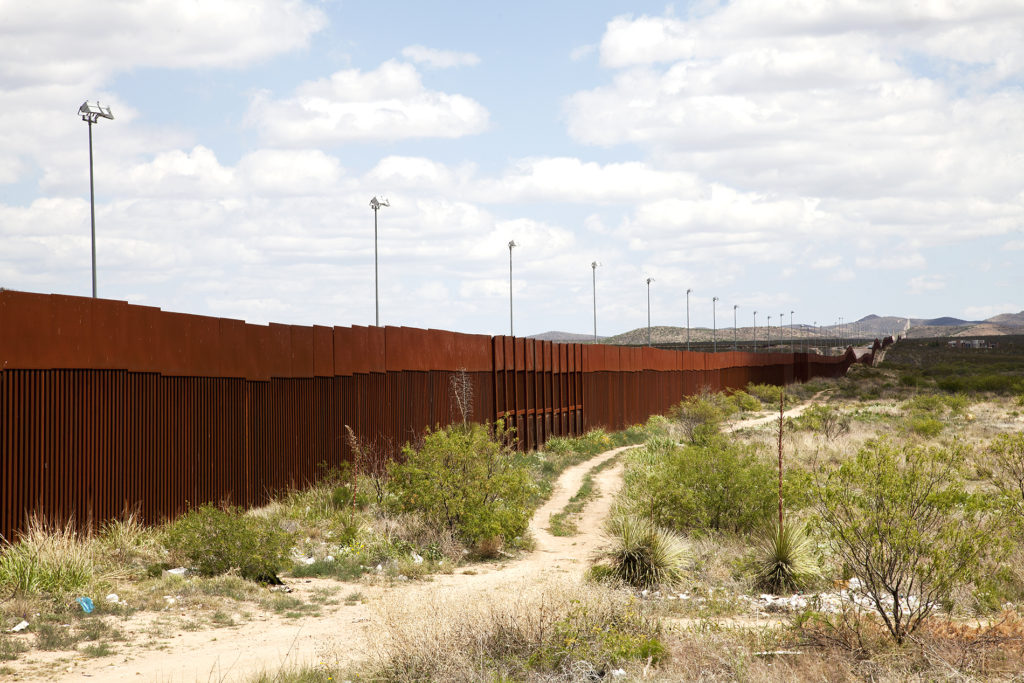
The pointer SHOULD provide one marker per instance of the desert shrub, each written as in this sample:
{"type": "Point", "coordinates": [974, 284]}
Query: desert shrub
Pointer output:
{"type": "Point", "coordinates": [924, 425]}
{"type": "Point", "coordinates": [744, 402]}
{"type": "Point", "coordinates": [553, 631]}
{"type": "Point", "coordinates": [643, 555]}
{"type": "Point", "coordinates": [825, 420]}
{"type": "Point", "coordinates": [214, 541]}
{"type": "Point", "coordinates": [785, 558]}
{"type": "Point", "coordinates": [768, 394]}
{"type": "Point", "coordinates": [466, 480]}
{"type": "Point", "coordinates": [50, 560]}
{"type": "Point", "coordinates": [719, 484]}
{"type": "Point", "coordinates": [1005, 460]}
{"type": "Point", "coordinates": [700, 416]}
{"type": "Point", "coordinates": [900, 519]}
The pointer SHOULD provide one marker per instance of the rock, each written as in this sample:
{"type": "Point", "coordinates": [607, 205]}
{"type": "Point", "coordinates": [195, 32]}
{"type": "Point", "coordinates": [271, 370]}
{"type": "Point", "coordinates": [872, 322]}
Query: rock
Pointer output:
{"type": "Point", "coordinates": [417, 559]}
{"type": "Point", "coordinates": [177, 571]}
{"type": "Point", "coordinates": [329, 558]}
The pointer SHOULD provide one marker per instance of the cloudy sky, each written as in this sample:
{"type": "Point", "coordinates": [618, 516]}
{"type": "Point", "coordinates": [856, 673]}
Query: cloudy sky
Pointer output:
{"type": "Point", "coordinates": [836, 159]}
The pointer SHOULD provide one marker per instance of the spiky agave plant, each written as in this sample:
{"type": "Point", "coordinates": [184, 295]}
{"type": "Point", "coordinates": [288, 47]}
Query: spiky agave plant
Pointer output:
{"type": "Point", "coordinates": [785, 559]}
{"type": "Point", "coordinates": [643, 555]}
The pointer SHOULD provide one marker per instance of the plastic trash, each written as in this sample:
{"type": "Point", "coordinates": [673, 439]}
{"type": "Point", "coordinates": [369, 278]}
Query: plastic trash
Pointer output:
{"type": "Point", "coordinates": [112, 597]}
{"type": "Point", "coordinates": [177, 571]}
{"type": "Point", "coordinates": [21, 626]}
{"type": "Point", "coordinates": [85, 604]}
{"type": "Point", "coordinates": [416, 559]}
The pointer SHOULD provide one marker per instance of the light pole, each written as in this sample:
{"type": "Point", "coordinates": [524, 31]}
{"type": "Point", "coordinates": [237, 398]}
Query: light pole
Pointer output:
{"type": "Point", "coordinates": [593, 268]}
{"type": "Point", "coordinates": [714, 326]}
{"type": "Point", "coordinates": [511, 329]}
{"type": "Point", "coordinates": [649, 281]}
{"type": "Point", "coordinates": [755, 331]}
{"type": "Point", "coordinates": [376, 204]}
{"type": "Point", "coordinates": [688, 319]}
{"type": "Point", "coordinates": [92, 113]}
{"type": "Point", "coordinates": [768, 344]}
{"type": "Point", "coordinates": [791, 336]}
{"type": "Point", "coordinates": [734, 307]}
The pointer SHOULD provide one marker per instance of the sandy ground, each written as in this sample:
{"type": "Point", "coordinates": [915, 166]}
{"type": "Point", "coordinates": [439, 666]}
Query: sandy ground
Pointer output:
{"type": "Point", "coordinates": [269, 642]}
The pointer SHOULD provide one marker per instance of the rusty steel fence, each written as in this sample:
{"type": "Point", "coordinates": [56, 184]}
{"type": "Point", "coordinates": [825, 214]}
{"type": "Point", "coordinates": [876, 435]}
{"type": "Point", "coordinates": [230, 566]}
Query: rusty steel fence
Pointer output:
{"type": "Point", "coordinates": [107, 406]}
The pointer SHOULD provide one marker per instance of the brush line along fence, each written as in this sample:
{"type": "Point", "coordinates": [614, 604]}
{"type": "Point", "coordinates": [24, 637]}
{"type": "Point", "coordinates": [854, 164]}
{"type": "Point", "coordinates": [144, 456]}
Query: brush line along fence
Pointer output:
{"type": "Point", "coordinates": [107, 406]}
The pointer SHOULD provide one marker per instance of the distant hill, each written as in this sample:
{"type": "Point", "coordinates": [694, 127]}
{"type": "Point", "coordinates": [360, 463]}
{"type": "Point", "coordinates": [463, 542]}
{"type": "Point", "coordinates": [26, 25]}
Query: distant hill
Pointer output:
{"type": "Point", "coordinates": [1009, 319]}
{"type": "Point", "coordinates": [565, 337]}
{"type": "Point", "coordinates": [869, 327]}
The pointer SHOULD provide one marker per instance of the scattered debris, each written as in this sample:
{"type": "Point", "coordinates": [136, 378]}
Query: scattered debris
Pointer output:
{"type": "Point", "coordinates": [85, 604]}
{"type": "Point", "coordinates": [20, 626]}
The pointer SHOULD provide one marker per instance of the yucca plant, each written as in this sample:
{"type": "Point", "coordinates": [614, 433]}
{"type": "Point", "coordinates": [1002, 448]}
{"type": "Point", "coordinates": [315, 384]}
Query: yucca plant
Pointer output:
{"type": "Point", "coordinates": [785, 559]}
{"type": "Point", "coordinates": [643, 555]}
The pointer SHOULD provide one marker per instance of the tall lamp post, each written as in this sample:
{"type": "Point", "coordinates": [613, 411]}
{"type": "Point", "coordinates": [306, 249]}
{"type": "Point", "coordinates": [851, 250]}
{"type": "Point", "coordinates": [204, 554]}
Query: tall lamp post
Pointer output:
{"type": "Point", "coordinates": [688, 319]}
{"type": "Point", "coordinates": [376, 205]}
{"type": "Point", "coordinates": [593, 267]}
{"type": "Point", "coordinates": [714, 326]}
{"type": "Point", "coordinates": [511, 328]}
{"type": "Point", "coordinates": [649, 281]}
{"type": "Point", "coordinates": [92, 113]}
{"type": "Point", "coordinates": [734, 307]}
{"type": "Point", "coordinates": [792, 339]}
{"type": "Point", "coordinates": [768, 344]}
{"type": "Point", "coordinates": [755, 331]}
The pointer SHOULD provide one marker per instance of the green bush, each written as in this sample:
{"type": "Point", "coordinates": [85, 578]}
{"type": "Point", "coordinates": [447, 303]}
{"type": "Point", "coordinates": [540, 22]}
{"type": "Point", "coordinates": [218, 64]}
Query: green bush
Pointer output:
{"type": "Point", "coordinates": [899, 518]}
{"type": "Point", "coordinates": [464, 479]}
{"type": "Point", "coordinates": [717, 484]}
{"type": "Point", "coordinates": [643, 555]}
{"type": "Point", "coordinates": [215, 541]}
{"type": "Point", "coordinates": [768, 394]}
{"type": "Point", "coordinates": [924, 425]}
{"type": "Point", "coordinates": [823, 419]}
{"type": "Point", "coordinates": [700, 416]}
{"type": "Point", "coordinates": [744, 401]}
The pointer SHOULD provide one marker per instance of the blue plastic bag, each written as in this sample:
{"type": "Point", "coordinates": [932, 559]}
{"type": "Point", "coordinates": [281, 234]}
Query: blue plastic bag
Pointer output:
{"type": "Point", "coordinates": [86, 604]}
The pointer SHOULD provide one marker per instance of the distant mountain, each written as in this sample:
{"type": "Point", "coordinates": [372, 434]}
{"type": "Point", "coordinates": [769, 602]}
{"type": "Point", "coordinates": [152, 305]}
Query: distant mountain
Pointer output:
{"type": "Point", "coordinates": [565, 337]}
{"type": "Point", "coordinates": [945, 321]}
{"type": "Point", "coordinates": [1009, 319]}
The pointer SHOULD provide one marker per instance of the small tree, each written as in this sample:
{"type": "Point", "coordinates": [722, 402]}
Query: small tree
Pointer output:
{"type": "Point", "coordinates": [464, 479]}
{"type": "Point", "coordinates": [900, 519]}
{"type": "Point", "coordinates": [1005, 458]}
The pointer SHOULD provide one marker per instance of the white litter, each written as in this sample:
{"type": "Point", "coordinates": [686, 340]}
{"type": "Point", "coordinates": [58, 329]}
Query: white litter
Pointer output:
{"type": "Point", "coordinates": [416, 559]}
{"type": "Point", "coordinates": [22, 625]}
{"type": "Point", "coordinates": [113, 598]}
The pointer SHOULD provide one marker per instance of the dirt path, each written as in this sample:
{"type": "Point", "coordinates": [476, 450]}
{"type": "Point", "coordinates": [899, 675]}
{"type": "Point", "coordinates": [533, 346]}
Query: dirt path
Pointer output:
{"type": "Point", "coordinates": [269, 642]}
{"type": "Point", "coordinates": [162, 651]}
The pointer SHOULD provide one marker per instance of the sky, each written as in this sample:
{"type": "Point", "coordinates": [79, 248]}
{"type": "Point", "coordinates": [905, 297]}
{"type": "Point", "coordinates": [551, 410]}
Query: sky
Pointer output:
{"type": "Point", "coordinates": [835, 159]}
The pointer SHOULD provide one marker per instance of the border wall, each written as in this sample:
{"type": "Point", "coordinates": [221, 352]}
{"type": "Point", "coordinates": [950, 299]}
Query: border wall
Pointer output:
{"type": "Point", "coordinates": [107, 406]}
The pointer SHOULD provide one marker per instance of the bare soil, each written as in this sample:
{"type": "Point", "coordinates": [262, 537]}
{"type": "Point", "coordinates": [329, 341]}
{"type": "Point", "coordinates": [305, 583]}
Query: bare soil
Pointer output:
{"type": "Point", "coordinates": [158, 648]}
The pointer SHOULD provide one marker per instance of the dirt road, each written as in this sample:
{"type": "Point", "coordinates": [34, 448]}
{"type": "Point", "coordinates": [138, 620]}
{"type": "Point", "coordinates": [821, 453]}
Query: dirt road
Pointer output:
{"type": "Point", "coordinates": [269, 642]}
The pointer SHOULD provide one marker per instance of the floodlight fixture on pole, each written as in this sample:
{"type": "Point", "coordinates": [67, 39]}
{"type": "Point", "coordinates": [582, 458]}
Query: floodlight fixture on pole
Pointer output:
{"type": "Point", "coordinates": [734, 307]}
{"type": "Point", "coordinates": [714, 326]}
{"type": "Point", "coordinates": [92, 113]}
{"type": "Point", "coordinates": [688, 319]}
{"type": "Point", "coordinates": [593, 267]}
{"type": "Point", "coordinates": [755, 331]}
{"type": "Point", "coordinates": [649, 281]}
{"type": "Point", "coordinates": [511, 328]}
{"type": "Point", "coordinates": [376, 205]}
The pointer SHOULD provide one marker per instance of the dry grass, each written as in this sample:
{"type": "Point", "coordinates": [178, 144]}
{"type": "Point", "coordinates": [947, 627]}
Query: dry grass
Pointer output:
{"type": "Point", "coordinates": [549, 631]}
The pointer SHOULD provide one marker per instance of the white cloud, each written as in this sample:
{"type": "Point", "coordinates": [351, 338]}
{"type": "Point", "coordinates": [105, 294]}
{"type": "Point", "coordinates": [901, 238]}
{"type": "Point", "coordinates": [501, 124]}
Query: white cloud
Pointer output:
{"type": "Point", "coordinates": [387, 103]}
{"type": "Point", "coordinates": [827, 262]}
{"type": "Point", "coordinates": [439, 59]}
{"type": "Point", "coordinates": [51, 41]}
{"type": "Point", "coordinates": [581, 52]}
{"type": "Point", "coordinates": [926, 283]}
{"type": "Point", "coordinates": [892, 261]}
